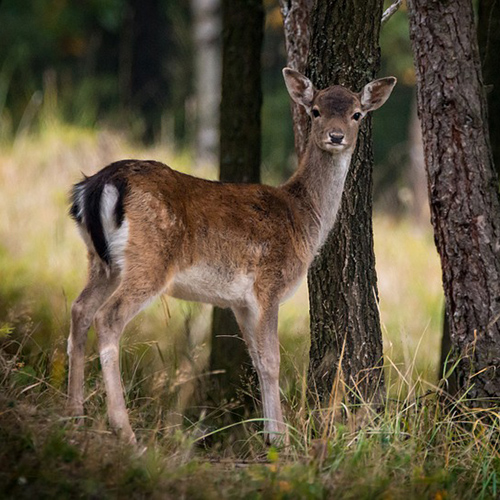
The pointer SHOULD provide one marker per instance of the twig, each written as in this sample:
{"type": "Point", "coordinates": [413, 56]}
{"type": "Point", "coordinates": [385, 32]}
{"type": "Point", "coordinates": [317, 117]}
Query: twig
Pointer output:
{"type": "Point", "coordinates": [390, 11]}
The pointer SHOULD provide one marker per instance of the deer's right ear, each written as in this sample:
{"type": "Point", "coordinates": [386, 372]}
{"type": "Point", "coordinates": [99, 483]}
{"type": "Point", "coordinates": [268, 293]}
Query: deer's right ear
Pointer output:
{"type": "Point", "coordinates": [299, 87]}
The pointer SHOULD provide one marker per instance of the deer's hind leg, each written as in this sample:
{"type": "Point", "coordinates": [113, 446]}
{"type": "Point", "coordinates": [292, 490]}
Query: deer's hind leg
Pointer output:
{"type": "Point", "coordinates": [138, 287]}
{"type": "Point", "coordinates": [100, 285]}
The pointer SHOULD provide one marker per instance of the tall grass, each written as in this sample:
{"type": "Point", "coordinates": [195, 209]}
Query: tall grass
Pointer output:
{"type": "Point", "coordinates": [418, 448]}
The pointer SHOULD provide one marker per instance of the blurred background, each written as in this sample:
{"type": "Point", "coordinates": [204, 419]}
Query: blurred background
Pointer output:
{"type": "Point", "coordinates": [85, 83]}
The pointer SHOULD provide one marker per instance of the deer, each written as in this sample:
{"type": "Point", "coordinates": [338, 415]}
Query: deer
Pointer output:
{"type": "Point", "coordinates": [151, 230]}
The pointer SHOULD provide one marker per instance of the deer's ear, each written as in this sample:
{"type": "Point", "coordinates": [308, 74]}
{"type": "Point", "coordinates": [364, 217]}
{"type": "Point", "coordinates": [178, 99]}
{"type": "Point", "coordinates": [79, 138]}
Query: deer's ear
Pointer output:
{"type": "Point", "coordinates": [299, 87]}
{"type": "Point", "coordinates": [375, 93]}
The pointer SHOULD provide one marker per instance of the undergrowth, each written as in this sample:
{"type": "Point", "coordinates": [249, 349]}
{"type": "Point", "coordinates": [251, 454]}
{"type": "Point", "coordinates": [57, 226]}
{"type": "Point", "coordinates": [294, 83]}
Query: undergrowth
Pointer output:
{"type": "Point", "coordinates": [420, 446]}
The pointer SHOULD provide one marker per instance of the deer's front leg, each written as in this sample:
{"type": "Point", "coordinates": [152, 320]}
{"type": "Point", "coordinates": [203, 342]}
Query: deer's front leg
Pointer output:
{"type": "Point", "coordinates": [260, 330]}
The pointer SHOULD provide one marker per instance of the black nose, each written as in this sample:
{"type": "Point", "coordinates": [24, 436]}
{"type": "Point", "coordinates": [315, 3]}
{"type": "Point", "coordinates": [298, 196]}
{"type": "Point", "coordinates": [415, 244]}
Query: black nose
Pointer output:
{"type": "Point", "coordinates": [336, 138]}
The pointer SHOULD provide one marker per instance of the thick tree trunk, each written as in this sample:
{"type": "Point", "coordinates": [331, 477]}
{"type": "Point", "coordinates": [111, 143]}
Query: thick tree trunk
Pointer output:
{"type": "Point", "coordinates": [465, 206]}
{"type": "Point", "coordinates": [342, 281]}
{"type": "Point", "coordinates": [240, 143]}
{"type": "Point", "coordinates": [488, 35]}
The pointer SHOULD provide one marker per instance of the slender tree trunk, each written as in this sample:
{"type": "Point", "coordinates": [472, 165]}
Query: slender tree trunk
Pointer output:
{"type": "Point", "coordinates": [146, 58]}
{"type": "Point", "coordinates": [206, 27]}
{"type": "Point", "coordinates": [465, 206]}
{"type": "Point", "coordinates": [342, 281]}
{"type": "Point", "coordinates": [240, 142]}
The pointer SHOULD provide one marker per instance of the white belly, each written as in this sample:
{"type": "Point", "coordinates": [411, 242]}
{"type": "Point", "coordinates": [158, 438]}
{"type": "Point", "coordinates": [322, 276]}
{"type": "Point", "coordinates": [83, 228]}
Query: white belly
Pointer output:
{"type": "Point", "coordinates": [212, 285]}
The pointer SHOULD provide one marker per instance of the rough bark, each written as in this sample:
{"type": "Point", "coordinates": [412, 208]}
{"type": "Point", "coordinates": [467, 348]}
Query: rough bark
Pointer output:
{"type": "Point", "coordinates": [465, 206]}
{"type": "Point", "coordinates": [296, 14]}
{"type": "Point", "coordinates": [342, 281]}
{"type": "Point", "coordinates": [488, 34]}
{"type": "Point", "coordinates": [240, 143]}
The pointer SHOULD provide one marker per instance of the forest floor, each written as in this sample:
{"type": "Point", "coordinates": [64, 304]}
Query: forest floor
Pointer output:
{"type": "Point", "coordinates": [420, 446]}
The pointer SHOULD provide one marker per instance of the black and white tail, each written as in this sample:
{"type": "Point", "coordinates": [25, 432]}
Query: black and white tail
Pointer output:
{"type": "Point", "coordinates": [98, 207]}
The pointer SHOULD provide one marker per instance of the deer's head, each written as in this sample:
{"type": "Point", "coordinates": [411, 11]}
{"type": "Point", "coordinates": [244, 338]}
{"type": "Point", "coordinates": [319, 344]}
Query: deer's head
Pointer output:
{"type": "Point", "coordinates": [336, 112]}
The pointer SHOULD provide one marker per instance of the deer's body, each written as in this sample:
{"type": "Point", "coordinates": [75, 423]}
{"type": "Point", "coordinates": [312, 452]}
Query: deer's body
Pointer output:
{"type": "Point", "coordinates": [152, 230]}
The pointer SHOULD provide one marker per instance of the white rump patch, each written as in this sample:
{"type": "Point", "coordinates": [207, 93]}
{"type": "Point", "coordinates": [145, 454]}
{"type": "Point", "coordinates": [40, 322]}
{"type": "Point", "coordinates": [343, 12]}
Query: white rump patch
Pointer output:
{"type": "Point", "coordinates": [116, 237]}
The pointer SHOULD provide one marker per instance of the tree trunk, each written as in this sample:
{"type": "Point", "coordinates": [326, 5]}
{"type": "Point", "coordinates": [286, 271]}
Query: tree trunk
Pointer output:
{"type": "Point", "coordinates": [240, 143]}
{"type": "Point", "coordinates": [488, 35]}
{"type": "Point", "coordinates": [342, 281]}
{"type": "Point", "coordinates": [206, 27]}
{"type": "Point", "coordinates": [146, 26]}
{"type": "Point", "coordinates": [465, 206]}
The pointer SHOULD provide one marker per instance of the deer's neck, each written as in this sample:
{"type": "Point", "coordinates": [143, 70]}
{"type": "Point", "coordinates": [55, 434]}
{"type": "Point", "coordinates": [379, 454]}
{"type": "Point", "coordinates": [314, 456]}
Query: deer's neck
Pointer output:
{"type": "Point", "coordinates": [317, 186]}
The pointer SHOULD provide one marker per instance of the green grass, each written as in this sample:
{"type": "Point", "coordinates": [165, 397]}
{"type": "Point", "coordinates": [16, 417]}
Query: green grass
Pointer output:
{"type": "Point", "coordinates": [418, 448]}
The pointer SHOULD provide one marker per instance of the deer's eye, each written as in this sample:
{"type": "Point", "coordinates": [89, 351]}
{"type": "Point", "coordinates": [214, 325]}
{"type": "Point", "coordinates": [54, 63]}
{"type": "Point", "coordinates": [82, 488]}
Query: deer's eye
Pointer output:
{"type": "Point", "coordinates": [356, 116]}
{"type": "Point", "coordinates": [316, 112]}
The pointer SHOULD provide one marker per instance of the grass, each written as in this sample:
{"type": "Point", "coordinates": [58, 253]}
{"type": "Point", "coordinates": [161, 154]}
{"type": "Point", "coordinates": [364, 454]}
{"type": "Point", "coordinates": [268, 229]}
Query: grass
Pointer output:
{"type": "Point", "coordinates": [418, 448]}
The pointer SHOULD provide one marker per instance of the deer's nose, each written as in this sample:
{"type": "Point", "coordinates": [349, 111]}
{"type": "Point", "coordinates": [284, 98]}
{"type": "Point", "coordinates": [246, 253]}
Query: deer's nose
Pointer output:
{"type": "Point", "coordinates": [336, 137]}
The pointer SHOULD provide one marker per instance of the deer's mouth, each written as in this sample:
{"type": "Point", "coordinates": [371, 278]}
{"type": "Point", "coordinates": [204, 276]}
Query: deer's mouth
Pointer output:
{"type": "Point", "coordinates": [334, 146]}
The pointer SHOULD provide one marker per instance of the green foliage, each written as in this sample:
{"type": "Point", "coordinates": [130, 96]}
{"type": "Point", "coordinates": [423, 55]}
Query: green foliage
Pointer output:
{"type": "Point", "coordinates": [89, 58]}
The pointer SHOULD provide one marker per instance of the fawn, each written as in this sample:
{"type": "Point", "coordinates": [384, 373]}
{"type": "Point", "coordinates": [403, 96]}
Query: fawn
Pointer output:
{"type": "Point", "coordinates": [151, 230]}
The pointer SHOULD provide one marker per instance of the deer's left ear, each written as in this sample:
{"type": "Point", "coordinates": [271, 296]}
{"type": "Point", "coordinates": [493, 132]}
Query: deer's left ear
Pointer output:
{"type": "Point", "coordinates": [375, 93]}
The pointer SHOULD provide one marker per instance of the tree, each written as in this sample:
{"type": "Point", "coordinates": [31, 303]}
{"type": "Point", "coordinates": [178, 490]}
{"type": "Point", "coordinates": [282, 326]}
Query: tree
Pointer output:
{"type": "Point", "coordinates": [240, 135]}
{"type": "Point", "coordinates": [142, 50]}
{"type": "Point", "coordinates": [206, 28]}
{"type": "Point", "coordinates": [342, 281]}
{"type": "Point", "coordinates": [488, 36]}
{"type": "Point", "coordinates": [464, 200]}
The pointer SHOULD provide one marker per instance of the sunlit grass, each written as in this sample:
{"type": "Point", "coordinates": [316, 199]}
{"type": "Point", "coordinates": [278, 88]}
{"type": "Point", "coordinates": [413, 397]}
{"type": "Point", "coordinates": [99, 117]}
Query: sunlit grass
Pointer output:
{"type": "Point", "coordinates": [418, 448]}
{"type": "Point", "coordinates": [411, 296]}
